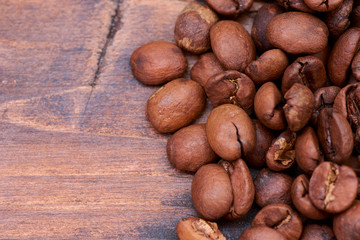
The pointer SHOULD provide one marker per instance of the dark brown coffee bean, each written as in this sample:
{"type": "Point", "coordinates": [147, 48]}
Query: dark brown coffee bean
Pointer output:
{"type": "Point", "coordinates": [158, 62]}
{"type": "Point", "coordinates": [307, 150]}
{"type": "Point", "coordinates": [301, 200]}
{"type": "Point", "coordinates": [238, 50]}
{"type": "Point", "coordinates": [198, 229]}
{"type": "Point", "coordinates": [270, 66]}
{"type": "Point", "coordinates": [243, 188]}
{"type": "Point", "coordinates": [175, 105]}
{"type": "Point", "coordinates": [230, 132]}
{"type": "Point", "coordinates": [333, 188]}
{"type": "Point", "coordinates": [338, 19]}
{"type": "Point", "coordinates": [230, 8]}
{"type": "Point", "coordinates": [264, 138]}
{"type": "Point", "coordinates": [300, 104]}
{"type": "Point", "coordinates": [335, 135]}
{"type": "Point", "coordinates": [261, 20]}
{"type": "Point", "coordinates": [355, 15]}
{"type": "Point", "coordinates": [295, 4]}
{"type": "Point", "coordinates": [324, 98]}
{"type": "Point", "coordinates": [341, 56]}
{"type": "Point", "coordinates": [289, 32]}
{"type": "Point", "coordinates": [280, 217]}
{"type": "Point", "coordinates": [211, 192]}
{"type": "Point", "coordinates": [206, 67]}
{"type": "Point", "coordinates": [261, 233]}
{"type": "Point", "coordinates": [355, 66]}
{"type": "Point", "coordinates": [346, 225]}
{"type": "Point", "coordinates": [281, 153]}
{"type": "Point", "coordinates": [317, 232]}
{"type": "Point", "coordinates": [268, 107]}
{"type": "Point", "coordinates": [272, 187]}
{"type": "Point", "coordinates": [309, 71]}
{"type": "Point", "coordinates": [323, 6]}
{"type": "Point", "coordinates": [188, 149]}
{"type": "Point", "coordinates": [192, 28]}
{"type": "Point", "coordinates": [231, 87]}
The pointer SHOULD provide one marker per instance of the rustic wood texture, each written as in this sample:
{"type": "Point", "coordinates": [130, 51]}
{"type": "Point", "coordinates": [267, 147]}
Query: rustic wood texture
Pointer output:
{"type": "Point", "coordinates": [78, 158]}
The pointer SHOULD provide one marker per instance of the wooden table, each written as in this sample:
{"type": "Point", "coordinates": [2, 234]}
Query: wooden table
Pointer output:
{"type": "Point", "coordinates": [78, 158]}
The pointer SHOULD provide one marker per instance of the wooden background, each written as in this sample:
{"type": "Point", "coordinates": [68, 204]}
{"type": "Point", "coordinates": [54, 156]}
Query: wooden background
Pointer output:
{"type": "Point", "coordinates": [78, 158]}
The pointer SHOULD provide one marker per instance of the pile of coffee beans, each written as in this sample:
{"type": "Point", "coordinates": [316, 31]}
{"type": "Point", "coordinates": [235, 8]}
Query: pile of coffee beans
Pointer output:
{"type": "Point", "coordinates": [286, 98]}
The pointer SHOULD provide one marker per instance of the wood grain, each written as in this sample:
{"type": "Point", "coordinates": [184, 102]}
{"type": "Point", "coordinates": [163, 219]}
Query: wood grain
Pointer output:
{"type": "Point", "coordinates": [79, 160]}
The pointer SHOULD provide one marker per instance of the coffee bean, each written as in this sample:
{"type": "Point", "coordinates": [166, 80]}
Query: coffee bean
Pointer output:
{"type": "Point", "coordinates": [333, 188]}
{"type": "Point", "coordinates": [355, 66]}
{"type": "Point", "coordinates": [308, 70]}
{"type": "Point", "coordinates": [295, 4]}
{"type": "Point", "coordinates": [341, 55]}
{"type": "Point", "coordinates": [281, 153]}
{"type": "Point", "coordinates": [317, 232]}
{"type": "Point", "coordinates": [300, 104]}
{"type": "Point", "coordinates": [158, 62]}
{"type": "Point", "coordinates": [231, 87]}
{"type": "Point", "coordinates": [206, 67]}
{"type": "Point", "coordinates": [307, 150]}
{"type": "Point", "coordinates": [346, 225]}
{"type": "Point", "coordinates": [188, 149]}
{"type": "Point", "coordinates": [323, 6]}
{"type": "Point", "coordinates": [260, 233]}
{"type": "Point", "coordinates": [175, 105]}
{"type": "Point", "coordinates": [230, 8]}
{"type": "Point", "coordinates": [301, 200]}
{"type": "Point", "coordinates": [230, 132]}
{"type": "Point", "coordinates": [335, 135]}
{"type": "Point", "coordinates": [270, 66]}
{"type": "Point", "coordinates": [192, 28]}
{"type": "Point", "coordinates": [354, 162]}
{"type": "Point", "coordinates": [290, 32]}
{"type": "Point", "coordinates": [323, 55]}
{"type": "Point", "coordinates": [268, 107]}
{"type": "Point", "coordinates": [239, 49]}
{"type": "Point", "coordinates": [272, 187]}
{"type": "Point", "coordinates": [264, 138]}
{"type": "Point", "coordinates": [338, 20]}
{"type": "Point", "coordinates": [280, 217]}
{"type": "Point", "coordinates": [198, 229]}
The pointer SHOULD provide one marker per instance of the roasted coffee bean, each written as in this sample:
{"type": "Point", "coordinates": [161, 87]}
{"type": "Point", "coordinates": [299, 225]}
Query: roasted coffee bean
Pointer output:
{"type": "Point", "coordinates": [309, 71]}
{"type": "Point", "coordinates": [232, 45]}
{"type": "Point", "coordinates": [295, 4]}
{"type": "Point", "coordinates": [323, 55]}
{"type": "Point", "coordinates": [158, 62]}
{"type": "Point", "coordinates": [347, 102]}
{"type": "Point", "coordinates": [272, 187]}
{"type": "Point", "coordinates": [243, 188]}
{"type": "Point", "coordinates": [270, 66]}
{"type": "Point", "coordinates": [300, 104]}
{"type": "Point", "coordinates": [354, 162]}
{"type": "Point", "coordinates": [281, 153]}
{"type": "Point", "coordinates": [324, 98]}
{"type": "Point", "coordinates": [188, 149]}
{"type": "Point", "coordinates": [264, 138]}
{"type": "Point", "coordinates": [230, 132]}
{"type": "Point", "coordinates": [280, 217]}
{"type": "Point", "coordinates": [290, 32]}
{"type": "Point", "coordinates": [333, 188]}
{"type": "Point", "coordinates": [175, 105]}
{"type": "Point", "coordinates": [198, 229]}
{"type": "Point", "coordinates": [261, 20]}
{"type": "Point", "coordinates": [307, 150]}
{"type": "Point", "coordinates": [301, 200]}
{"type": "Point", "coordinates": [323, 6]}
{"type": "Point", "coordinates": [192, 28]}
{"type": "Point", "coordinates": [346, 225]}
{"type": "Point", "coordinates": [355, 66]}
{"type": "Point", "coordinates": [261, 233]}
{"type": "Point", "coordinates": [212, 192]}
{"type": "Point", "coordinates": [338, 19]}
{"type": "Point", "coordinates": [268, 106]}
{"type": "Point", "coordinates": [230, 8]}
{"type": "Point", "coordinates": [335, 135]}
{"type": "Point", "coordinates": [231, 87]}
{"type": "Point", "coordinates": [341, 56]}
{"type": "Point", "coordinates": [317, 232]}
{"type": "Point", "coordinates": [206, 67]}
{"type": "Point", "coordinates": [355, 15]}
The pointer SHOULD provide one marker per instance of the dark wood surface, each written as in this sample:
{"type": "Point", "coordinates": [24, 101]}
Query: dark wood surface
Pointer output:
{"type": "Point", "coordinates": [78, 158]}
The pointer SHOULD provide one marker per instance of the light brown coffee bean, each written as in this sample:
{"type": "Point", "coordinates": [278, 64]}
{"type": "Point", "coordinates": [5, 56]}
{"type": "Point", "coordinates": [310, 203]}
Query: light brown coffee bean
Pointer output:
{"type": "Point", "coordinates": [346, 225]}
{"type": "Point", "coordinates": [260, 233]}
{"type": "Point", "coordinates": [198, 229]}
{"type": "Point", "coordinates": [230, 8]}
